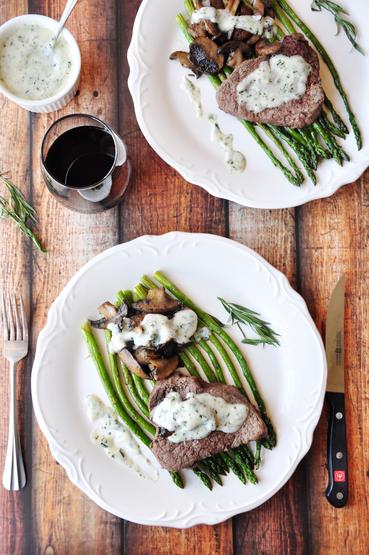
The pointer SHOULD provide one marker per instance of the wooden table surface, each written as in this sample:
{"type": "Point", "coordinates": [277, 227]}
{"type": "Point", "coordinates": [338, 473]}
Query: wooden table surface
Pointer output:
{"type": "Point", "coordinates": [312, 245]}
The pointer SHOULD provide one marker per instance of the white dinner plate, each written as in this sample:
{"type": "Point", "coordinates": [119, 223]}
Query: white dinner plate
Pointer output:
{"type": "Point", "coordinates": [291, 377]}
{"type": "Point", "coordinates": [168, 121]}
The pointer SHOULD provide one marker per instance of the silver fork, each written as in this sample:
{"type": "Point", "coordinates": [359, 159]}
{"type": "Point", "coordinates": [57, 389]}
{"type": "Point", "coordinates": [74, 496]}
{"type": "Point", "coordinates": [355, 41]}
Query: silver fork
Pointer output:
{"type": "Point", "coordinates": [15, 349]}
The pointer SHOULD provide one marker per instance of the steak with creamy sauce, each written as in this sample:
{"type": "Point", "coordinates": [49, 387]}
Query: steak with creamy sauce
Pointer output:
{"type": "Point", "coordinates": [174, 456]}
{"type": "Point", "coordinates": [295, 113]}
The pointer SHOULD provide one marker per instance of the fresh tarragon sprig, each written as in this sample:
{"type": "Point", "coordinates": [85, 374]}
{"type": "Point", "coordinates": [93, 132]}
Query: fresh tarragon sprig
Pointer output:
{"type": "Point", "coordinates": [338, 12]}
{"type": "Point", "coordinates": [17, 209]}
{"type": "Point", "coordinates": [242, 315]}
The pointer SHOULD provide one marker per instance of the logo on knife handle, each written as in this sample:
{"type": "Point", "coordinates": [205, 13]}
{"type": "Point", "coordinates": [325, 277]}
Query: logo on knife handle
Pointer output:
{"type": "Point", "coordinates": [338, 349]}
{"type": "Point", "coordinates": [339, 476]}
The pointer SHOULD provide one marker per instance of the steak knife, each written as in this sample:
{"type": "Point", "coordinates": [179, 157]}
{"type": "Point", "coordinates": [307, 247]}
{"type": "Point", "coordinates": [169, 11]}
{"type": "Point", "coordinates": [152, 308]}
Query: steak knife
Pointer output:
{"type": "Point", "coordinates": [337, 489]}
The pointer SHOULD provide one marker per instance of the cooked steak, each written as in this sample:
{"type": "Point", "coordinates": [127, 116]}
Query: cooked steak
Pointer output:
{"type": "Point", "coordinates": [293, 113]}
{"type": "Point", "coordinates": [174, 456]}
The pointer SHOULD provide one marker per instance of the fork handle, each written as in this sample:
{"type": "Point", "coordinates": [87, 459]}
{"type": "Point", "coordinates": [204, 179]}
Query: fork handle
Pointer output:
{"type": "Point", "coordinates": [14, 476]}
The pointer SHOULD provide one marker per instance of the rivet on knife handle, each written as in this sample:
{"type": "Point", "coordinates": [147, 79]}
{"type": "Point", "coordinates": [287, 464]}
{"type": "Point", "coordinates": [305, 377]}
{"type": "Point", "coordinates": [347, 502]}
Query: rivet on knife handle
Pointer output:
{"type": "Point", "coordinates": [337, 490]}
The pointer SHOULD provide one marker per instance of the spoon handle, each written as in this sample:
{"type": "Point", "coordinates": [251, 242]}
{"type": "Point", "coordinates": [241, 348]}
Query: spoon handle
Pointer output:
{"type": "Point", "coordinates": [66, 13]}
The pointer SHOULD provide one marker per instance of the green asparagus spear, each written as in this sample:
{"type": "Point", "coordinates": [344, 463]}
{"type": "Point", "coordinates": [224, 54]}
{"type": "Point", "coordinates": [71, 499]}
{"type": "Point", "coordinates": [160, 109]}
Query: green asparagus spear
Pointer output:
{"type": "Point", "coordinates": [103, 373]}
{"type": "Point", "coordinates": [133, 382]}
{"type": "Point", "coordinates": [332, 127]}
{"type": "Point", "coordinates": [136, 416]}
{"type": "Point", "coordinates": [216, 82]}
{"type": "Point", "coordinates": [217, 368]}
{"type": "Point", "coordinates": [188, 363]}
{"type": "Point", "coordinates": [234, 466]}
{"type": "Point", "coordinates": [324, 54]}
{"type": "Point", "coordinates": [193, 371]}
{"type": "Point", "coordinates": [139, 399]}
{"type": "Point", "coordinates": [203, 477]}
{"type": "Point", "coordinates": [250, 475]}
{"type": "Point", "coordinates": [198, 356]}
{"type": "Point", "coordinates": [300, 153]}
{"type": "Point", "coordinates": [335, 116]}
{"type": "Point", "coordinates": [207, 466]}
{"type": "Point", "coordinates": [95, 354]}
{"type": "Point", "coordinates": [275, 138]}
{"type": "Point", "coordinates": [328, 140]}
{"type": "Point", "coordinates": [216, 328]}
{"type": "Point", "coordinates": [243, 452]}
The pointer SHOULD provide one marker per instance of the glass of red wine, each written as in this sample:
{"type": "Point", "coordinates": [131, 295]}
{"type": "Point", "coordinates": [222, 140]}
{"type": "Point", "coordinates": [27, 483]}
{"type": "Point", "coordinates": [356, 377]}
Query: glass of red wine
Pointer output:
{"type": "Point", "coordinates": [84, 163]}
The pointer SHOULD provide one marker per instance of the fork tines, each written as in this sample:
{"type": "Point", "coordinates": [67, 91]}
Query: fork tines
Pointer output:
{"type": "Point", "coordinates": [14, 318]}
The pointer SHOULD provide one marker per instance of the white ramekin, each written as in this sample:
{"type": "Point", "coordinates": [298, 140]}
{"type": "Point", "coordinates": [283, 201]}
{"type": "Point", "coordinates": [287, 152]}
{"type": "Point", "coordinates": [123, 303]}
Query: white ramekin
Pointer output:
{"type": "Point", "coordinates": [68, 91]}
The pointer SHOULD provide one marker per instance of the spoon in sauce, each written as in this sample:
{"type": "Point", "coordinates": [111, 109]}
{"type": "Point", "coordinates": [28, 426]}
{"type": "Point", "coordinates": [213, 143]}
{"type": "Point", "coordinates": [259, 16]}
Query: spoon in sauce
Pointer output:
{"type": "Point", "coordinates": [69, 7]}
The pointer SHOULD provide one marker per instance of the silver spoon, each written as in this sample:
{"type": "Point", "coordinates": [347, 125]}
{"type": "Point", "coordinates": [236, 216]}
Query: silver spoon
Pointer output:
{"type": "Point", "coordinates": [66, 13]}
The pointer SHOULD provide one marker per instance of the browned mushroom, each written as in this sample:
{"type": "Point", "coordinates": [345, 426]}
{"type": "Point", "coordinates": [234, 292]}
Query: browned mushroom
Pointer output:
{"type": "Point", "coordinates": [163, 367]}
{"type": "Point", "coordinates": [211, 28]}
{"type": "Point", "coordinates": [135, 320]}
{"type": "Point", "coordinates": [258, 7]}
{"type": "Point", "coordinates": [264, 48]}
{"type": "Point", "coordinates": [145, 356]}
{"type": "Point", "coordinates": [157, 302]}
{"type": "Point", "coordinates": [167, 350]}
{"type": "Point", "coordinates": [235, 58]}
{"type": "Point", "coordinates": [111, 315]}
{"type": "Point", "coordinates": [245, 9]}
{"type": "Point", "coordinates": [233, 45]}
{"type": "Point", "coordinates": [133, 366]}
{"type": "Point", "coordinates": [203, 28]}
{"type": "Point", "coordinates": [197, 29]}
{"type": "Point", "coordinates": [241, 35]}
{"type": "Point", "coordinates": [204, 54]}
{"type": "Point", "coordinates": [232, 6]}
{"type": "Point", "coordinates": [254, 39]}
{"type": "Point", "coordinates": [108, 310]}
{"type": "Point", "coordinates": [183, 58]}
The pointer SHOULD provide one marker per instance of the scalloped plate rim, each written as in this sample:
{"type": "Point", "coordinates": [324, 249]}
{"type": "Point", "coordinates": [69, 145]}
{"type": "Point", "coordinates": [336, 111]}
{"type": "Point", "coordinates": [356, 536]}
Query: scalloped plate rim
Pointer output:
{"type": "Point", "coordinates": [199, 518]}
{"type": "Point", "coordinates": [357, 169]}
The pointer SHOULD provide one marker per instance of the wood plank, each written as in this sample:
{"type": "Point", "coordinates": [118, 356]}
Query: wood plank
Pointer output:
{"type": "Point", "coordinates": [14, 276]}
{"type": "Point", "coordinates": [333, 236]}
{"type": "Point", "coordinates": [279, 526]}
{"type": "Point", "coordinates": [160, 201]}
{"type": "Point", "coordinates": [65, 521]}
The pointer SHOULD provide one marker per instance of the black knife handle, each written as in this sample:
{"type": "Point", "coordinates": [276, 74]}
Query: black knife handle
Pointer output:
{"type": "Point", "coordinates": [337, 490]}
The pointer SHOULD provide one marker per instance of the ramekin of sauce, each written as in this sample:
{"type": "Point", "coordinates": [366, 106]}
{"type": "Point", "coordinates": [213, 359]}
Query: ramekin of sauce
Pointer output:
{"type": "Point", "coordinates": [35, 72]}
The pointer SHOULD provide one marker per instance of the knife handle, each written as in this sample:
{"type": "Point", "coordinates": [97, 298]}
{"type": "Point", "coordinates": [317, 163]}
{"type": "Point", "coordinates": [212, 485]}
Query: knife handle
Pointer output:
{"type": "Point", "coordinates": [337, 490]}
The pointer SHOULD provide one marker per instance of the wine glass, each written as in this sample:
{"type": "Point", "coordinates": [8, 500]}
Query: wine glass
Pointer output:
{"type": "Point", "coordinates": [84, 163]}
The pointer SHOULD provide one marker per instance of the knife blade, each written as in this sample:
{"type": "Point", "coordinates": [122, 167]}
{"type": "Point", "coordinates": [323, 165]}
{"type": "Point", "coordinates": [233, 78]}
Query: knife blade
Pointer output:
{"type": "Point", "coordinates": [337, 489]}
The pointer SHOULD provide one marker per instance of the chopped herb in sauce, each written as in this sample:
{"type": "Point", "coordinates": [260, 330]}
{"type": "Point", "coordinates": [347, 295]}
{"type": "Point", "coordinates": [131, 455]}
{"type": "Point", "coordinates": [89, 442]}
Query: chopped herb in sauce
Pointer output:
{"type": "Point", "coordinates": [30, 66]}
{"type": "Point", "coordinates": [276, 81]}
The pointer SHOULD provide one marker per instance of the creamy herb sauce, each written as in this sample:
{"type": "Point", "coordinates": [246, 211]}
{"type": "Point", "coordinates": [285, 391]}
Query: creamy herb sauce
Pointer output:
{"type": "Point", "coordinates": [276, 81]}
{"type": "Point", "coordinates": [29, 65]}
{"type": "Point", "coordinates": [197, 416]}
{"type": "Point", "coordinates": [154, 330]}
{"type": "Point", "coordinates": [234, 160]}
{"type": "Point", "coordinates": [116, 440]}
{"type": "Point", "coordinates": [195, 95]}
{"type": "Point", "coordinates": [255, 24]}
{"type": "Point", "coordinates": [202, 333]}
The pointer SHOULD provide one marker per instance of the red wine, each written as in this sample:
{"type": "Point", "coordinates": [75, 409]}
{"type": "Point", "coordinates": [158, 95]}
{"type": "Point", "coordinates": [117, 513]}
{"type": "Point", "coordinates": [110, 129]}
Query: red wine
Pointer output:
{"type": "Point", "coordinates": [81, 157]}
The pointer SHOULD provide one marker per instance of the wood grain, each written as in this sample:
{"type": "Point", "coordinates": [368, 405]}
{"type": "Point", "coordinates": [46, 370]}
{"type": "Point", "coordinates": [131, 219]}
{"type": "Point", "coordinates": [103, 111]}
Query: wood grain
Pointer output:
{"type": "Point", "coordinates": [279, 526]}
{"type": "Point", "coordinates": [333, 237]}
{"type": "Point", "coordinates": [14, 277]}
{"type": "Point", "coordinates": [60, 510]}
{"type": "Point", "coordinates": [311, 245]}
{"type": "Point", "coordinates": [158, 201]}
